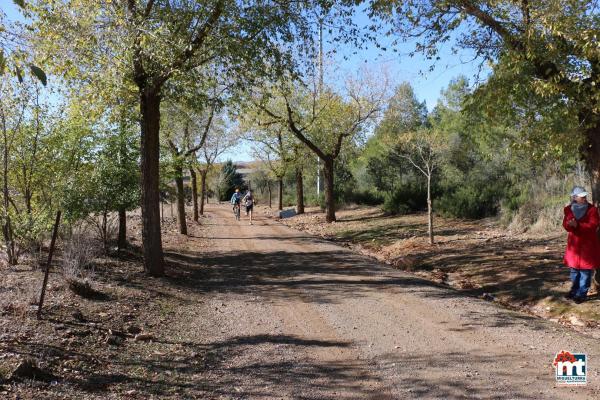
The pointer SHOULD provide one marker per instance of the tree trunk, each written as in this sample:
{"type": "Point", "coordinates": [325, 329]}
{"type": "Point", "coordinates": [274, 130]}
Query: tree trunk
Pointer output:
{"type": "Point", "coordinates": [429, 210]}
{"type": "Point", "coordinates": [280, 200]}
{"type": "Point", "coordinates": [150, 149]}
{"type": "Point", "coordinates": [328, 171]}
{"type": "Point", "coordinates": [180, 200]}
{"type": "Point", "coordinates": [122, 239]}
{"type": "Point", "coordinates": [299, 192]}
{"type": "Point", "coordinates": [591, 155]}
{"type": "Point", "coordinates": [202, 191]}
{"type": "Point", "coordinates": [270, 195]}
{"type": "Point", "coordinates": [11, 253]}
{"type": "Point", "coordinates": [104, 228]}
{"type": "Point", "coordinates": [194, 181]}
{"type": "Point", "coordinates": [28, 195]}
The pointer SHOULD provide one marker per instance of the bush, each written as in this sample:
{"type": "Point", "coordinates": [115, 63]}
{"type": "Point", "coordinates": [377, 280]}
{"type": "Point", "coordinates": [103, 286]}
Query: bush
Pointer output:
{"type": "Point", "coordinates": [77, 266]}
{"type": "Point", "coordinates": [470, 202]}
{"type": "Point", "coordinates": [311, 199]}
{"type": "Point", "coordinates": [405, 199]}
{"type": "Point", "coordinates": [366, 197]}
{"type": "Point", "coordinates": [106, 227]}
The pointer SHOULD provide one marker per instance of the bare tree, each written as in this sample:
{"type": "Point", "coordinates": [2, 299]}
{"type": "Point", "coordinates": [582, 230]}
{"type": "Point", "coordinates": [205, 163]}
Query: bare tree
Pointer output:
{"type": "Point", "coordinates": [423, 149]}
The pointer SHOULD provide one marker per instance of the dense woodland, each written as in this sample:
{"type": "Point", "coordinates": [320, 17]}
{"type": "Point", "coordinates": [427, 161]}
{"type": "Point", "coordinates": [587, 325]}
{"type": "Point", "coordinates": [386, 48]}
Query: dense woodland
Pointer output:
{"type": "Point", "coordinates": [110, 107]}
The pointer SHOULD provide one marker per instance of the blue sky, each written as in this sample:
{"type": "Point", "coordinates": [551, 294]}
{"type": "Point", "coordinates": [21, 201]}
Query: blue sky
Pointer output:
{"type": "Point", "coordinates": [399, 65]}
{"type": "Point", "coordinates": [11, 10]}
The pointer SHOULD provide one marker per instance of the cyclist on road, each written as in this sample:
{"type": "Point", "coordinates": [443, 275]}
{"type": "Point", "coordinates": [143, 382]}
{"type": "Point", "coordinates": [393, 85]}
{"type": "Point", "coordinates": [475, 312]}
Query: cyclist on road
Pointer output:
{"type": "Point", "coordinates": [236, 199]}
{"type": "Point", "coordinates": [248, 200]}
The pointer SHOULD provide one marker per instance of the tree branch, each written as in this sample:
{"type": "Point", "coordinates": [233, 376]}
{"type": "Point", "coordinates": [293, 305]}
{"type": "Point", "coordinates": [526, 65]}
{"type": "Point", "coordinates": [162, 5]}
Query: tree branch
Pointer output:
{"type": "Point", "coordinates": [298, 133]}
{"type": "Point", "coordinates": [193, 46]}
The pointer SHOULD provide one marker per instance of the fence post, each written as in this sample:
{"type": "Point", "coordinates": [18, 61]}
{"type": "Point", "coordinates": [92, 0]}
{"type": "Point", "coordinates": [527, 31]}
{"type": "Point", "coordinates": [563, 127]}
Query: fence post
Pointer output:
{"type": "Point", "coordinates": [51, 252]}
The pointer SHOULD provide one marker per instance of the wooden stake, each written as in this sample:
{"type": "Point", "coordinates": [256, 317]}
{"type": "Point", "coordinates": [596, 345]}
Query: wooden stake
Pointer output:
{"type": "Point", "coordinates": [52, 243]}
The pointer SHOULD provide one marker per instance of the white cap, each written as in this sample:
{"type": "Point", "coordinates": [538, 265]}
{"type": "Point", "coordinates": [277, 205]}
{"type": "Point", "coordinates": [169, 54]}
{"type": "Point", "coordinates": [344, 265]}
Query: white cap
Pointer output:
{"type": "Point", "coordinates": [579, 191]}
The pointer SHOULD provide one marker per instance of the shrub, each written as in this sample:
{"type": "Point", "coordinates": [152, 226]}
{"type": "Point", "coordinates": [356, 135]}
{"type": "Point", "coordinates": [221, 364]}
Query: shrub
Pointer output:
{"type": "Point", "coordinates": [470, 202]}
{"type": "Point", "coordinates": [366, 197]}
{"type": "Point", "coordinates": [405, 199]}
{"type": "Point", "coordinates": [77, 264]}
{"type": "Point", "coordinates": [106, 227]}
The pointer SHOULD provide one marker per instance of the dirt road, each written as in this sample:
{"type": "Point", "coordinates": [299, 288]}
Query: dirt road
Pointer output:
{"type": "Point", "coordinates": [288, 316]}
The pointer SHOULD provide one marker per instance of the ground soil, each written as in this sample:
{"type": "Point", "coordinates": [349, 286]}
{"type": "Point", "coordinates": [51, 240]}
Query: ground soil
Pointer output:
{"type": "Point", "coordinates": [268, 312]}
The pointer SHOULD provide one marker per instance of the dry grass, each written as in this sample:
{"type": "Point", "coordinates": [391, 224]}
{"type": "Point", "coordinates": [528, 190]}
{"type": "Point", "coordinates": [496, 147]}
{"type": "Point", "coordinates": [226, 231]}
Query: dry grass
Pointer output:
{"type": "Point", "coordinates": [77, 262]}
{"type": "Point", "coordinates": [17, 300]}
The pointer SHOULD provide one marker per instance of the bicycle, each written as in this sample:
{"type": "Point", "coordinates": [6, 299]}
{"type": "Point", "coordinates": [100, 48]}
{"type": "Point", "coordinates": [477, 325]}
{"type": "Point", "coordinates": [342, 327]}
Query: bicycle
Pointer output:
{"type": "Point", "coordinates": [236, 211]}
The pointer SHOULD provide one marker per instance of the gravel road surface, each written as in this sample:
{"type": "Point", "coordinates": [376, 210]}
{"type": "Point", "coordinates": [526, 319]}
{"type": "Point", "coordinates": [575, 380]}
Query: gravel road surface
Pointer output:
{"type": "Point", "coordinates": [290, 316]}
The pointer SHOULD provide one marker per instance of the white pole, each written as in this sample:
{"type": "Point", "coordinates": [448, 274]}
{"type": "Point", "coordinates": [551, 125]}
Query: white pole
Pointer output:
{"type": "Point", "coordinates": [320, 90]}
{"type": "Point", "coordinates": [318, 176]}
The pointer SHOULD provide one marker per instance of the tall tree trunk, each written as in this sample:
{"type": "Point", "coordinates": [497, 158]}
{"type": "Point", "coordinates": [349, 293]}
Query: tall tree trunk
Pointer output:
{"type": "Point", "coordinates": [122, 236]}
{"type": "Point", "coordinates": [202, 190]}
{"type": "Point", "coordinates": [328, 171]}
{"type": "Point", "coordinates": [591, 155]}
{"type": "Point", "coordinates": [270, 195]}
{"type": "Point", "coordinates": [429, 209]}
{"type": "Point", "coordinates": [194, 181]}
{"type": "Point", "coordinates": [150, 149]}
{"type": "Point", "coordinates": [28, 195]}
{"type": "Point", "coordinates": [280, 199]}
{"type": "Point", "coordinates": [122, 239]}
{"type": "Point", "coordinates": [180, 200]}
{"type": "Point", "coordinates": [104, 228]}
{"type": "Point", "coordinates": [11, 253]}
{"type": "Point", "coordinates": [299, 191]}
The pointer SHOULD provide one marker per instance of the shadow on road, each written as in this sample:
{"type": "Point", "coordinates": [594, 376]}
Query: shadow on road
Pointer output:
{"type": "Point", "coordinates": [325, 277]}
{"type": "Point", "coordinates": [231, 368]}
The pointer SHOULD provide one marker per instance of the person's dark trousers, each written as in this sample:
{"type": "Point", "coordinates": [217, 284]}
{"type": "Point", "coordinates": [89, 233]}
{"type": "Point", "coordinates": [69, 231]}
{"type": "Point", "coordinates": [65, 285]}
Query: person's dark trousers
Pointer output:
{"type": "Point", "coordinates": [581, 280]}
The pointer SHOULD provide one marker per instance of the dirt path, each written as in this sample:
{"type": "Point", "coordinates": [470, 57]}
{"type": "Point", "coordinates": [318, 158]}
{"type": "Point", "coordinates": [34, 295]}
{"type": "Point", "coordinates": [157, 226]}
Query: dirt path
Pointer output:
{"type": "Point", "coordinates": [287, 315]}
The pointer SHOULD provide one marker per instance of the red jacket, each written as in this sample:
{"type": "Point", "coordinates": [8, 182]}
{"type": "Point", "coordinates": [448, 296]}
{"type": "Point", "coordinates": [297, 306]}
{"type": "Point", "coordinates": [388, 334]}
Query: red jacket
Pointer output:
{"type": "Point", "coordinates": [583, 246]}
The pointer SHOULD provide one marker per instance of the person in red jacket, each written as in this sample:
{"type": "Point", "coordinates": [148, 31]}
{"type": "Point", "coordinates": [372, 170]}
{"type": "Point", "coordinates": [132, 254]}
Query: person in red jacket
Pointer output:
{"type": "Point", "coordinates": [583, 247]}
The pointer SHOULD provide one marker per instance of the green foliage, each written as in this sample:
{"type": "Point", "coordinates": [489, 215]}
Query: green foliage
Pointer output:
{"type": "Point", "coordinates": [544, 84]}
{"type": "Point", "coordinates": [366, 197]}
{"type": "Point", "coordinates": [230, 180]}
{"type": "Point", "coordinates": [409, 197]}
{"type": "Point", "coordinates": [346, 184]}
{"type": "Point", "coordinates": [481, 171]}
{"type": "Point", "coordinates": [404, 113]}
{"type": "Point", "coordinates": [472, 200]}
{"type": "Point", "coordinates": [116, 173]}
